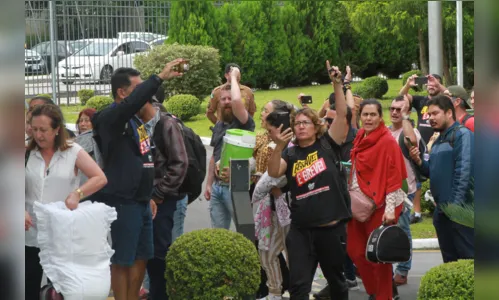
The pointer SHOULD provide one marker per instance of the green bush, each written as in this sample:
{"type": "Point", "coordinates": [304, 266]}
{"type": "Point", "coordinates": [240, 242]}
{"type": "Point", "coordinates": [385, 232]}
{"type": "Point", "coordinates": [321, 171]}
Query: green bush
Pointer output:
{"type": "Point", "coordinates": [449, 281]}
{"type": "Point", "coordinates": [45, 95]}
{"type": "Point", "coordinates": [426, 206]}
{"type": "Point", "coordinates": [183, 106]}
{"type": "Point", "coordinates": [212, 264]}
{"type": "Point", "coordinates": [406, 75]}
{"type": "Point", "coordinates": [85, 94]}
{"type": "Point", "coordinates": [202, 76]}
{"type": "Point", "coordinates": [99, 102]}
{"type": "Point", "coordinates": [372, 87]}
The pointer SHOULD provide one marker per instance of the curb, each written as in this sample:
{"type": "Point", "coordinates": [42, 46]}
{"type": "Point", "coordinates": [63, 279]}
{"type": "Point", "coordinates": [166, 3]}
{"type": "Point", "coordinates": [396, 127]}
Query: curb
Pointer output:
{"type": "Point", "coordinates": [421, 244]}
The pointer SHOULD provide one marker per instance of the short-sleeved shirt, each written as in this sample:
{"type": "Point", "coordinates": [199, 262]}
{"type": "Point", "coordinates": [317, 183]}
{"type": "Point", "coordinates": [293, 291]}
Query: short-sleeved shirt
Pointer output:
{"type": "Point", "coordinates": [424, 127]}
{"type": "Point", "coordinates": [411, 177]}
{"type": "Point", "coordinates": [217, 138]}
{"type": "Point", "coordinates": [246, 96]}
{"type": "Point", "coordinates": [470, 123]}
{"type": "Point", "coordinates": [319, 195]}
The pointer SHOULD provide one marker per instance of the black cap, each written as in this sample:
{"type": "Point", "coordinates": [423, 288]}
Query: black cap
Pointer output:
{"type": "Point", "coordinates": [437, 77]}
{"type": "Point", "coordinates": [230, 65]}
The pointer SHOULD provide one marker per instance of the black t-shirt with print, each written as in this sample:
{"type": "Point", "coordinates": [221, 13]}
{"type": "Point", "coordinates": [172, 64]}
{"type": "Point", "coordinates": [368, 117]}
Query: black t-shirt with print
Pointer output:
{"type": "Point", "coordinates": [319, 195]}
{"type": "Point", "coordinates": [424, 127]}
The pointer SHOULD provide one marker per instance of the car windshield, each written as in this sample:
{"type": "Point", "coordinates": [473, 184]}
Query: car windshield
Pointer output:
{"type": "Point", "coordinates": [78, 45]}
{"type": "Point", "coordinates": [97, 49]}
{"type": "Point", "coordinates": [40, 48]}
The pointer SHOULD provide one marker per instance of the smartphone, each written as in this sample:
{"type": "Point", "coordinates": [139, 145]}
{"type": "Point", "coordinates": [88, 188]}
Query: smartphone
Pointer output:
{"type": "Point", "coordinates": [181, 68]}
{"type": "Point", "coordinates": [408, 140]}
{"type": "Point", "coordinates": [306, 99]}
{"type": "Point", "coordinates": [421, 80]}
{"type": "Point", "coordinates": [283, 118]}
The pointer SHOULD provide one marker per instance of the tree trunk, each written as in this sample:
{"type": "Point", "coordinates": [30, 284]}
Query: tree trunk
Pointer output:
{"type": "Point", "coordinates": [446, 76]}
{"type": "Point", "coordinates": [423, 60]}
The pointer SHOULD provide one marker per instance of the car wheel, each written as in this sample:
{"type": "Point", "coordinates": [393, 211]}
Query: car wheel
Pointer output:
{"type": "Point", "coordinates": [105, 74]}
{"type": "Point", "coordinates": [68, 81]}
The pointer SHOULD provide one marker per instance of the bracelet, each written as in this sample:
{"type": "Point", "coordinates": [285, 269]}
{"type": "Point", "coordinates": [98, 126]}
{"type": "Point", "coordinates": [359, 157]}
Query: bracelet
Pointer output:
{"type": "Point", "coordinates": [80, 193]}
{"type": "Point", "coordinates": [337, 80]}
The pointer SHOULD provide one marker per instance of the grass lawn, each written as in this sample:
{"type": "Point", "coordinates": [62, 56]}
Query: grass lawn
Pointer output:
{"type": "Point", "coordinates": [200, 124]}
{"type": "Point", "coordinates": [424, 229]}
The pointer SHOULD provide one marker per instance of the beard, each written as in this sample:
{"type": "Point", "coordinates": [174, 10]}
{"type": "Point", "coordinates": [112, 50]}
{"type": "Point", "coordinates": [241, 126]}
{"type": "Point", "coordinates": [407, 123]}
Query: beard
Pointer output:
{"type": "Point", "coordinates": [227, 115]}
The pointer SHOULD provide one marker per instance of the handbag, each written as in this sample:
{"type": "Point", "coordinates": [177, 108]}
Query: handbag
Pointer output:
{"type": "Point", "coordinates": [387, 245]}
{"type": "Point", "coordinates": [362, 206]}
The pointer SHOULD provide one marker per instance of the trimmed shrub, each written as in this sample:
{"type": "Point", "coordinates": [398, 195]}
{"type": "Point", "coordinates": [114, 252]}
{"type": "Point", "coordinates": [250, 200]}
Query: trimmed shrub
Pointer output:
{"type": "Point", "coordinates": [372, 87]}
{"type": "Point", "coordinates": [426, 206]}
{"type": "Point", "coordinates": [85, 94]}
{"type": "Point", "coordinates": [99, 102]}
{"type": "Point", "coordinates": [449, 281]}
{"type": "Point", "coordinates": [183, 107]}
{"type": "Point", "coordinates": [203, 74]}
{"type": "Point", "coordinates": [212, 264]}
{"type": "Point", "coordinates": [406, 75]}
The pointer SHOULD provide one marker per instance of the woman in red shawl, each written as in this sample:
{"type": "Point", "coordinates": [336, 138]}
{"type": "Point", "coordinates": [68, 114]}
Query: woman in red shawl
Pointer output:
{"type": "Point", "coordinates": [378, 170]}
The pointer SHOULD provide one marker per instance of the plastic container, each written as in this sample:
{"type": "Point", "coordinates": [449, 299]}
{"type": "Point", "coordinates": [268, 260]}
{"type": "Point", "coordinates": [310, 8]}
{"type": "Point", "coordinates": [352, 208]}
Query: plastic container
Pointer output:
{"type": "Point", "coordinates": [238, 144]}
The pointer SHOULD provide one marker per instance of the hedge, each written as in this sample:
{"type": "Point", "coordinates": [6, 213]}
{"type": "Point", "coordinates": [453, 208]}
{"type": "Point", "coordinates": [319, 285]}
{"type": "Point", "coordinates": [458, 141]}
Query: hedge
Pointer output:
{"type": "Point", "coordinates": [99, 102]}
{"type": "Point", "coordinates": [449, 281]}
{"type": "Point", "coordinates": [84, 95]}
{"type": "Point", "coordinates": [372, 87]}
{"type": "Point", "coordinates": [203, 74]}
{"type": "Point", "coordinates": [406, 75]}
{"type": "Point", "coordinates": [211, 264]}
{"type": "Point", "coordinates": [183, 107]}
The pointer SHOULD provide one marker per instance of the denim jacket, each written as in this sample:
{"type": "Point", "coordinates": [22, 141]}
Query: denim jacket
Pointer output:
{"type": "Point", "coordinates": [451, 167]}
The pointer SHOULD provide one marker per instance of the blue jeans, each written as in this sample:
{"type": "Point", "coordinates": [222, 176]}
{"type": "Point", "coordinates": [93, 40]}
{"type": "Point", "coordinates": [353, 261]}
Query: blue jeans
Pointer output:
{"type": "Point", "coordinates": [405, 223]}
{"type": "Point", "coordinates": [178, 219]}
{"type": "Point", "coordinates": [221, 210]}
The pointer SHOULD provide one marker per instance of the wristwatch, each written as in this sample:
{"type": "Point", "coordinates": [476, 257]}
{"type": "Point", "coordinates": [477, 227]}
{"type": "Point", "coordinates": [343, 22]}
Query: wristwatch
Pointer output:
{"type": "Point", "coordinates": [406, 117]}
{"type": "Point", "coordinates": [80, 193]}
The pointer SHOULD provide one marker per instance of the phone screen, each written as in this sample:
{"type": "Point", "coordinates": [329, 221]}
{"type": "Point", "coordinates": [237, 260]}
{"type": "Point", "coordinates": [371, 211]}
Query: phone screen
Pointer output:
{"type": "Point", "coordinates": [306, 99]}
{"type": "Point", "coordinates": [284, 120]}
{"type": "Point", "coordinates": [421, 80]}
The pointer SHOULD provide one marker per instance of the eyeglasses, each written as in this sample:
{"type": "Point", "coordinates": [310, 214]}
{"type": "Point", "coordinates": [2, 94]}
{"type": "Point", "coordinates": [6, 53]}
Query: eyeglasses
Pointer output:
{"type": "Point", "coordinates": [304, 123]}
{"type": "Point", "coordinates": [398, 109]}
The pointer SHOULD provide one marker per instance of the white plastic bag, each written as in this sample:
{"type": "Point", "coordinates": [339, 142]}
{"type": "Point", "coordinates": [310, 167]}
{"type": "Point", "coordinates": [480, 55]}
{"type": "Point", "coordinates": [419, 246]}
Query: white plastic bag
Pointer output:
{"type": "Point", "coordinates": [74, 250]}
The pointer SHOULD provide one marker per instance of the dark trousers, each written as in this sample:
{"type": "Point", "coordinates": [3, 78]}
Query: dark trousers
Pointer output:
{"type": "Point", "coordinates": [33, 273]}
{"type": "Point", "coordinates": [309, 246]}
{"type": "Point", "coordinates": [456, 241]}
{"type": "Point", "coordinates": [162, 234]}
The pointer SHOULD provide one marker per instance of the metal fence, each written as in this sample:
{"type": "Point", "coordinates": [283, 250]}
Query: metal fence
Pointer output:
{"type": "Point", "coordinates": [74, 45]}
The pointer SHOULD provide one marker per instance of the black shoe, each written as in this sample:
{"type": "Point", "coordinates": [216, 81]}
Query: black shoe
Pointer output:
{"type": "Point", "coordinates": [372, 297]}
{"type": "Point", "coordinates": [353, 285]}
{"type": "Point", "coordinates": [416, 219]}
{"type": "Point", "coordinates": [324, 294]}
{"type": "Point", "coordinates": [395, 292]}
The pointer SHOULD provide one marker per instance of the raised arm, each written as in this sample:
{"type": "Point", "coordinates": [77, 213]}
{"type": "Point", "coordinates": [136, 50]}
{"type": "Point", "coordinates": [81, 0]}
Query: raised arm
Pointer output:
{"type": "Point", "coordinates": [337, 131]}
{"type": "Point", "coordinates": [277, 166]}
{"type": "Point", "coordinates": [407, 129]}
{"type": "Point", "coordinates": [238, 108]}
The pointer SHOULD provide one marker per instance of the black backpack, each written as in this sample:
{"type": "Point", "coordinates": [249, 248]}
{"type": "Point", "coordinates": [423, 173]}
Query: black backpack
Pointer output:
{"type": "Point", "coordinates": [196, 170]}
{"type": "Point", "coordinates": [405, 151]}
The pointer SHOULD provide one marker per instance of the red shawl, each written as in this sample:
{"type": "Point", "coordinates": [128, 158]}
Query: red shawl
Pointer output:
{"type": "Point", "coordinates": [379, 163]}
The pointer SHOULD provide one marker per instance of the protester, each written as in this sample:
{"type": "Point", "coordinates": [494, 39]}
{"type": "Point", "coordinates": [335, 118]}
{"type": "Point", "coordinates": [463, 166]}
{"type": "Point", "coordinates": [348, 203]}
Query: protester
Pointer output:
{"type": "Point", "coordinates": [328, 102]}
{"type": "Point", "coordinates": [378, 170]}
{"type": "Point", "coordinates": [247, 96]}
{"type": "Point", "coordinates": [346, 147]}
{"type": "Point", "coordinates": [401, 125]}
{"type": "Point", "coordinates": [451, 171]}
{"type": "Point", "coordinates": [459, 98]}
{"type": "Point", "coordinates": [40, 100]}
{"type": "Point", "coordinates": [234, 115]}
{"type": "Point", "coordinates": [52, 164]}
{"type": "Point", "coordinates": [85, 135]}
{"type": "Point", "coordinates": [319, 200]}
{"type": "Point", "coordinates": [128, 164]}
{"type": "Point", "coordinates": [278, 272]}
{"type": "Point", "coordinates": [170, 164]}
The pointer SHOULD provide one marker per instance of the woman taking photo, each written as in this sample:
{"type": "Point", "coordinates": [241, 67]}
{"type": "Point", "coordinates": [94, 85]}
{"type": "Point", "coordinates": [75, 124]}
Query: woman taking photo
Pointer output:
{"type": "Point", "coordinates": [319, 197]}
{"type": "Point", "coordinates": [378, 170]}
{"type": "Point", "coordinates": [51, 175]}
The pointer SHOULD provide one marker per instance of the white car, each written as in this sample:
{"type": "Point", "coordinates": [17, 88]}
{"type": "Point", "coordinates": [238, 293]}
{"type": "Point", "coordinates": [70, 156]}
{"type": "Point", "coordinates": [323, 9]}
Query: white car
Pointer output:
{"type": "Point", "coordinates": [34, 63]}
{"type": "Point", "coordinates": [144, 36]}
{"type": "Point", "coordinates": [158, 41]}
{"type": "Point", "coordinates": [98, 60]}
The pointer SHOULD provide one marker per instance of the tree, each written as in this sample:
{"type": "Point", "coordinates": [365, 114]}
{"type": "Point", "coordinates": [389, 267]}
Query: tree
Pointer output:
{"type": "Point", "coordinates": [192, 22]}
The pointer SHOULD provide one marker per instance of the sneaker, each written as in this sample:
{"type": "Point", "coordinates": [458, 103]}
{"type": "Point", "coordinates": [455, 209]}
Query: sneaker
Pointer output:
{"type": "Point", "coordinates": [395, 292]}
{"type": "Point", "coordinates": [416, 219]}
{"type": "Point", "coordinates": [274, 297]}
{"type": "Point", "coordinates": [353, 285]}
{"type": "Point", "coordinates": [400, 279]}
{"type": "Point", "coordinates": [323, 294]}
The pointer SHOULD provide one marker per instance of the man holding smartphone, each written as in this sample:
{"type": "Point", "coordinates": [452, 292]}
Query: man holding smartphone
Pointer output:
{"type": "Point", "coordinates": [401, 124]}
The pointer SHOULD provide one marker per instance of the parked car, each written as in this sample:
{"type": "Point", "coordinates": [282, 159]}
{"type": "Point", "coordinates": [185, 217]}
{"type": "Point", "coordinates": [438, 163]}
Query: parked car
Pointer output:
{"type": "Point", "coordinates": [144, 36]}
{"type": "Point", "coordinates": [34, 63]}
{"type": "Point", "coordinates": [158, 41]}
{"type": "Point", "coordinates": [98, 60]}
{"type": "Point", "coordinates": [63, 49]}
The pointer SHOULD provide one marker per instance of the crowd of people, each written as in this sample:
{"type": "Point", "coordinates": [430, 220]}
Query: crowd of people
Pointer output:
{"type": "Point", "coordinates": [308, 172]}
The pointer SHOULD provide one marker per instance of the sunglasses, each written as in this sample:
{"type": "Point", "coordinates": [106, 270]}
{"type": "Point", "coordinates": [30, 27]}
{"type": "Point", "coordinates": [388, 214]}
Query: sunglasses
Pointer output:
{"type": "Point", "coordinates": [398, 109]}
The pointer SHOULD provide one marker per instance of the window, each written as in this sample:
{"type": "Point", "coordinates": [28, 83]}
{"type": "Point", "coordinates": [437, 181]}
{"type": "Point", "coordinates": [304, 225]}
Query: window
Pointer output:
{"type": "Point", "coordinates": [138, 47]}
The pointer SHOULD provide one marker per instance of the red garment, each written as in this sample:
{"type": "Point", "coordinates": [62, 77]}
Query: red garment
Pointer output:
{"type": "Point", "coordinates": [377, 278]}
{"type": "Point", "coordinates": [470, 123]}
{"type": "Point", "coordinates": [379, 163]}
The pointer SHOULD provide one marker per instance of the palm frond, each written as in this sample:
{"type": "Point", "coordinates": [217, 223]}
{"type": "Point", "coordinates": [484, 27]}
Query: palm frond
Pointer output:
{"type": "Point", "coordinates": [461, 214]}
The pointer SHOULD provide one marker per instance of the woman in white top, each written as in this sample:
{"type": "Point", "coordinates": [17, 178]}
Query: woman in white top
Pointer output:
{"type": "Point", "coordinates": [51, 172]}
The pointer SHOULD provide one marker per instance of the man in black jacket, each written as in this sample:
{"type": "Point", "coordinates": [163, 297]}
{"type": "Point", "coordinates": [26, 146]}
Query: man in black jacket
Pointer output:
{"type": "Point", "coordinates": [129, 167]}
